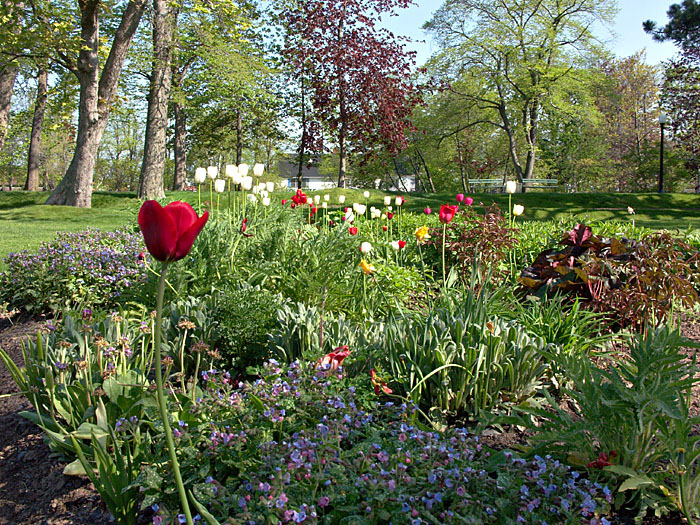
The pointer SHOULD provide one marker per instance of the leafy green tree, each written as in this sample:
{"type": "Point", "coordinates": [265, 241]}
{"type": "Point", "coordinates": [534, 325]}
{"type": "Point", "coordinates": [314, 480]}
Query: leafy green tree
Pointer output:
{"type": "Point", "coordinates": [518, 55]}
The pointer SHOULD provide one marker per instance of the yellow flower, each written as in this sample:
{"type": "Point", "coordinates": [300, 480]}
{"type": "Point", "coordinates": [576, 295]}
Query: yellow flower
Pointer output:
{"type": "Point", "coordinates": [422, 234]}
{"type": "Point", "coordinates": [367, 268]}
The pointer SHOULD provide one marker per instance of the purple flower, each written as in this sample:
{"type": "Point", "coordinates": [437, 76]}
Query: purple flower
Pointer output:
{"type": "Point", "coordinates": [323, 501]}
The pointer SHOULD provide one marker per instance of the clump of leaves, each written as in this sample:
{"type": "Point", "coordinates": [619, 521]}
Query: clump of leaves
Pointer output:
{"type": "Point", "coordinates": [470, 237]}
{"type": "Point", "coordinates": [635, 281]}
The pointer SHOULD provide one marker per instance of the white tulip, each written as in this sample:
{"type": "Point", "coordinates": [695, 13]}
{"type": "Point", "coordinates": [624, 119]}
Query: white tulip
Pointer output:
{"type": "Point", "coordinates": [266, 201]}
{"type": "Point", "coordinates": [349, 216]}
{"type": "Point", "coordinates": [317, 199]}
{"type": "Point", "coordinates": [264, 194]}
{"type": "Point", "coordinates": [361, 208]}
{"type": "Point", "coordinates": [231, 171]}
{"type": "Point", "coordinates": [395, 245]}
{"type": "Point", "coordinates": [236, 177]}
{"type": "Point", "coordinates": [324, 205]}
{"type": "Point", "coordinates": [326, 197]}
{"type": "Point", "coordinates": [200, 175]}
{"type": "Point", "coordinates": [398, 201]}
{"type": "Point", "coordinates": [212, 172]}
{"type": "Point", "coordinates": [366, 194]}
{"type": "Point", "coordinates": [383, 216]}
{"type": "Point", "coordinates": [341, 199]}
{"type": "Point", "coordinates": [630, 210]}
{"type": "Point", "coordinates": [389, 208]}
{"type": "Point", "coordinates": [252, 198]}
{"type": "Point", "coordinates": [375, 213]}
{"type": "Point", "coordinates": [377, 183]}
{"type": "Point", "coordinates": [309, 201]}
{"type": "Point", "coordinates": [256, 189]}
{"type": "Point", "coordinates": [518, 209]}
{"type": "Point", "coordinates": [246, 183]}
{"type": "Point", "coordinates": [258, 169]}
{"type": "Point", "coordinates": [511, 186]}
{"type": "Point", "coordinates": [270, 186]}
{"type": "Point", "coordinates": [219, 185]}
{"type": "Point", "coordinates": [365, 247]}
{"type": "Point", "coordinates": [243, 169]}
{"type": "Point", "coordinates": [387, 201]}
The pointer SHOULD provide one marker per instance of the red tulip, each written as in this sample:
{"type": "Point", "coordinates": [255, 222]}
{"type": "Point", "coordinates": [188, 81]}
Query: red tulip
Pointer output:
{"type": "Point", "coordinates": [292, 205]}
{"type": "Point", "coordinates": [379, 384]}
{"type": "Point", "coordinates": [314, 210]}
{"type": "Point", "coordinates": [353, 230]}
{"type": "Point", "coordinates": [284, 201]}
{"type": "Point", "coordinates": [428, 211]}
{"type": "Point", "coordinates": [402, 245]}
{"type": "Point", "coordinates": [389, 215]}
{"type": "Point", "coordinates": [384, 228]}
{"type": "Point", "coordinates": [460, 198]}
{"type": "Point", "coordinates": [447, 213]}
{"type": "Point", "coordinates": [170, 232]}
{"type": "Point", "coordinates": [468, 201]}
{"type": "Point", "coordinates": [334, 359]}
{"type": "Point", "coordinates": [604, 460]}
{"type": "Point", "coordinates": [141, 256]}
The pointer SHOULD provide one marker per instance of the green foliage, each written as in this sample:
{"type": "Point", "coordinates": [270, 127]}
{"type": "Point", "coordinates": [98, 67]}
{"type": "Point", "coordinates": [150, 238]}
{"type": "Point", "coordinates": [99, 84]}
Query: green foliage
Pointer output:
{"type": "Point", "coordinates": [242, 320]}
{"type": "Point", "coordinates": [629, 409]}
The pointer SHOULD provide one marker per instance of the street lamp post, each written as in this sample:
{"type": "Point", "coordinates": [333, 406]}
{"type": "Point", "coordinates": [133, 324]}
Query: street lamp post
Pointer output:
{"type": "Point", "coordinates": [663, 119]}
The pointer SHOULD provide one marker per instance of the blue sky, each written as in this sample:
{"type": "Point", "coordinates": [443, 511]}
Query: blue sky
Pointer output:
{"type": "Point", "coordinates": [627, 38]}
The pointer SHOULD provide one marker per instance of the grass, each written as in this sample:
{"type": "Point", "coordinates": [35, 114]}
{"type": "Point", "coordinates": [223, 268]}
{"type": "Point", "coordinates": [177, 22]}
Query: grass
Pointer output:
{"type": "Point", "coordinates": [25, 222]}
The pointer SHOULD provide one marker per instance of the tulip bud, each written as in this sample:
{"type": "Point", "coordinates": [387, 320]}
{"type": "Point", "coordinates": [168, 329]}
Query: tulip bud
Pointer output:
{"type": "Point", "coordinates": [428, 211]}
{"type": "Point", "coordinates": [317, 199]}
{"type": "Point", "coordinates": [387, 201]}
{"type": "Point", "coordinates": [366, 194]}
{"type": "Point", "coordinates": [212, 172]}
{"type": "Point", "coordinates": [200, 175]}
{"type": "Point", "coordinates": [395, 245]}
{"type": "Point", "coordinates": [365, 247]}
{"type": "Point", "coordinates": [341, 199]}
{"type": "Point", "coordinates": [518, 209]}
{"type": "Point", "coordinates": [511, 186]}
{"type": "Point", "coordinates": [266, 201]}
{"type": "Point", "coordinates": [326, 197]}
{"type": "Point", "coordinates": [361, 208]}
{"type": "Point", "coordinates": [231, 170]}
{"type": "Point", "coordinates": [398, 201]}
{"type": "Point", "coordinates": [243, 170]}
{"type": "Point", "coordinates": [219, 185]}
{"type": "Point", "coordinates": [324, 205]}
{"type": "Point", "coordinates": [270, 186]}
{"type": "Point", "coordinates": [252, 198]}
{"type": "Point", "coordinates": [258, 170]}
{"type": "Point", "coordinates": [309, 201]}
{"type": "Point", "coordinates": [246, 183]}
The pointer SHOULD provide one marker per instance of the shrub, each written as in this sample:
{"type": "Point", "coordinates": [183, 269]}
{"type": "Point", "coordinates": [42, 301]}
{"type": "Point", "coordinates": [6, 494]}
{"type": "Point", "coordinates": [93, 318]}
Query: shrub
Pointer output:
{"type": "Point", "coordinates": [242, 320]}
{"type": "Point", "coordinates": [86, 269]}
{"type": "Point", "coordinates": [633, 281]}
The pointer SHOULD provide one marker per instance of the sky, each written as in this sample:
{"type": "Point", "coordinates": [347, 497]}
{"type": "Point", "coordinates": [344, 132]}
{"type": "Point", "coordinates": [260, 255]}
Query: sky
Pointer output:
{"type": "Point", "coordinates": [628, 36]}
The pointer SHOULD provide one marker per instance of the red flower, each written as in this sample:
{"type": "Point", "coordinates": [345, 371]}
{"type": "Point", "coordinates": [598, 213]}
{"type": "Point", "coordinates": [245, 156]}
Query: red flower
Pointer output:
{"type": "Point", "coordinates": [314, 210]}
{"type": "Point", "coordinates": [244, 225]}
{"type": "Point", "coordinates": [604, 460]}
{"type": "Point", "coordinates": [384, 228]}
{"type": "Point", "coordinates": [379, 384]}
{"type": "Point", "coordinates": [447, 213]}
{"type": "Point", "coordinates": [170, 232]}
{"type": "Point", "coordinates": [460, 198]}
{"type": "Point", "coordinates": [402, 245]}
{"type": "Point", "coordinates": [346, 209]}
{"type": "Point", "coordinates": [334, 358]}
{"type": "Point", "coordinates": [468, 201]}
{"type": "Point", "coordinates": [299, 198]}
{"type": "Point", "coordinates": [389, 215]}
{"type": "Point", "coordinates": [284, 201]}
{"type": "Point", "coordinates": [292, 205]}
{"type": "Point", "coordinates": [141, 256]}
{"type": "Point", "coordinates": [428, 211]}
{"type": "Point", "coordinates": [352, 230]}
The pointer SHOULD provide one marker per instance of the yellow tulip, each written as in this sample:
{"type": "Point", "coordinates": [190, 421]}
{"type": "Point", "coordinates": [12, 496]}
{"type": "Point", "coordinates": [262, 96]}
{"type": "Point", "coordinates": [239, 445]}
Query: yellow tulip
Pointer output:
{"type": "Point", "coordinates": [367, 268]}
{"type": "Point", "coordinates": [422, 234]}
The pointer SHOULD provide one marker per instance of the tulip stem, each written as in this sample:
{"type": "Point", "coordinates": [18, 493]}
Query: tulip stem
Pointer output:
{"type": "Point", "coordinates": [444, 233]}
{"type": "Point", "coordinates": [162, 404]}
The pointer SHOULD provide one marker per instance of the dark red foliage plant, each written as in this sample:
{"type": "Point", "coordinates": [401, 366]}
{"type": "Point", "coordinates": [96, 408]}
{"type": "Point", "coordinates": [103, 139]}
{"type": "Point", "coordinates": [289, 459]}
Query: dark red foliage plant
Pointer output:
{"type": "Point", "coordinates": [635, 281]}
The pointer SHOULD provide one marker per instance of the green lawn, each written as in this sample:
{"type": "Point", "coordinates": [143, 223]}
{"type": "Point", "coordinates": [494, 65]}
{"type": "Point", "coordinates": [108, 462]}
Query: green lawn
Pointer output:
{"type": "Point", "coordinates": [25, 222]}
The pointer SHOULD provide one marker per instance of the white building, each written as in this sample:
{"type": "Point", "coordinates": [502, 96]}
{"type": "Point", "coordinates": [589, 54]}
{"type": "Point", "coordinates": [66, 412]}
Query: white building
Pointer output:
{"type": "Point", "coordinates": [311, 178]}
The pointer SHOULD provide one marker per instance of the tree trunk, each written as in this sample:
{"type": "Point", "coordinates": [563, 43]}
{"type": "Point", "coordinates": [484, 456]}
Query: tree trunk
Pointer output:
{"type": "Point", "coordinates": [7, 84]}
{"type": "Point", "coordinates": [180, 180]}
{"type": "Point", "coordinates": [342, 131]}
{"type": "Point", "coordinates": [32, 183]}
{"type": "Point", "coordinates": [427, 171]}
{"type": "Point", "coordinates": [96, 97]}
{"type": "Point", "coordinates": [239, 137]}
{"type": "Point", "coordinates": [461, 160]}
{"type": "Point", "coordinates": [154, 152]}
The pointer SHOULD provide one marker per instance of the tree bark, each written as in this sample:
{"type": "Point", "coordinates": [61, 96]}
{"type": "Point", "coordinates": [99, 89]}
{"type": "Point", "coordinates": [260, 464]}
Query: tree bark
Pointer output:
{"type": "Point", "coordinates": [154, 152]}
{"type": "Point", "coordinates": [427, 171]}
{"type": "Point", "coordinates": [239, 137]}
{"type": "Point", "coordinates": [342, 139]}
{"type": "Point", "coordinates": [96, 97]}
{"type": "Point", "coordinates": [32, 183]}
{"type": "Point", "coordinates": [180, 179]}
{"type": "Point", "coordinates": [7, 84]}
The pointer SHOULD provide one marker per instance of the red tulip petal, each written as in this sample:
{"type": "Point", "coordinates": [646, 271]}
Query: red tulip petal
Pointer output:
{"type": "Point", "coordinates": [182, 214]}
{"type": "Point", "coordinates": [159, 231]}
{"type": "Point", "coordinates": [186, 239]}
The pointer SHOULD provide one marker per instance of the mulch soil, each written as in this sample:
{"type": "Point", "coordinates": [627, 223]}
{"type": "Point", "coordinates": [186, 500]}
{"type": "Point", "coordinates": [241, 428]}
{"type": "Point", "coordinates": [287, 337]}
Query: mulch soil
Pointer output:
{"type": "Point", "coordinates": [33, 489]}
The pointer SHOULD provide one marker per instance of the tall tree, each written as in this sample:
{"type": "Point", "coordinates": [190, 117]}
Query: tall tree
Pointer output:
{"type": "Point", "coordinates": [32, 183]}
{"type": "Point", "coordinates": [360, 75]}
{"type": "Point", "coordinates": [97, 90]}
{"type": "Point", "coordinates": [11, 16]}
{"type": "Point", "coordinates": [154, 151]}
{"type": "Point", "coordinates": [518, 53]}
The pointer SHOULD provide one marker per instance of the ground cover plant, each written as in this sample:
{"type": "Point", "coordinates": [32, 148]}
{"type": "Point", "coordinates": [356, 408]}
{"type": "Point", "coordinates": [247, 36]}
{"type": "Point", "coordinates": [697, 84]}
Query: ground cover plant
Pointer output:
{"type": "Point", "coordinates": [311, 364]}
